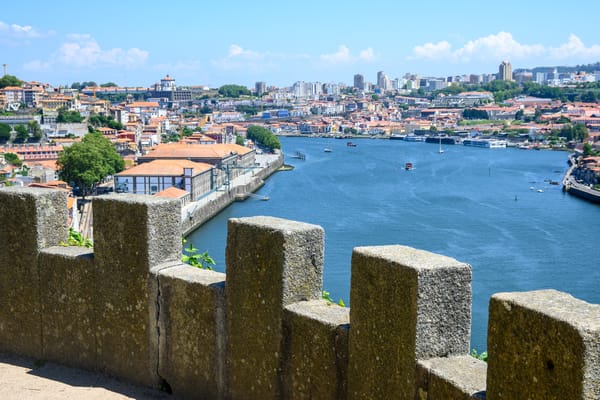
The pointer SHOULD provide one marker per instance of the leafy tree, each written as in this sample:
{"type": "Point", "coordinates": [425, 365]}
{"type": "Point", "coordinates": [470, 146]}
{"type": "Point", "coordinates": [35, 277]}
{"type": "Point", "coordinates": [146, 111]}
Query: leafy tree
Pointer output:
{"type": "Point", "coordinates": [76, 86]}
{"type": "Point", "coordinates": [89, 161]}
{"type": "Point", "coordinates": [67, 116]}
{"type": "Point", "coordinates": [13, 159]}
{"type": "Point", "coordinates": [106, 121]}
{"type": "Point", "coordinates": [35, 130]}
{"type": "Point", "coordinates": [234, 91]}
{"type": "Point", "coordinates": [588, 150]}
{"type": "Point", "coordinates": [239, 140]}
{"type": "Point", "coordinates": [10, 80]}
{"type": "Point", "coordinates": [109, 84]}
{"type": "Point", "coordinates": [263, 136]}
{"type": "Point", "coordinates": [5, 132]}
{"type": "Point", "coordinates": [375, 97]}
{"type": "Point", "coordinates": [22, 133]}
{"type": "Point", "coordinates": [589, 97]}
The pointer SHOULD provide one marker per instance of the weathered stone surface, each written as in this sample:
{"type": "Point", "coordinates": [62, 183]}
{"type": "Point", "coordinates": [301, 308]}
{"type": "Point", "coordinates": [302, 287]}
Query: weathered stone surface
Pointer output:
{"type": "Point", "coordinates": [451, 378]}
{"type": "Point", "coordinates": [316, 350]}
{"type": "Point", "coordinates": [543, 344]}
{"type": "Point", "coordinates": [192, 334]}
{"type": "Point", "coordinates": [132, 234]}
{"type": "Point", "coordinates": [271, 263]}
{"type": "Point", "coordinates": [30, 219]}
{"type": "Point", "coordinates": [407, 304]}
{"type": "Point", "coordinates": [68, 306]}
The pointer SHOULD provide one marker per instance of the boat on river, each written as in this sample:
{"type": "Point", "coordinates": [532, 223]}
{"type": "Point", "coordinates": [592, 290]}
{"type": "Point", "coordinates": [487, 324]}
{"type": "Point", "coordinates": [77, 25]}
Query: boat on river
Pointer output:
{"type": "Point", "coordinates": [409, 166]}
{"type": "Point", "coordinates": [351, 144]}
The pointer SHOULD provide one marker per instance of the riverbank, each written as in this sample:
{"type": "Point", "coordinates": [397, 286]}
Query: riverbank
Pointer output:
{"type": "Point", "coordinates": [571, 186]}
{"type": "Point", "coordinates": [198, 212]}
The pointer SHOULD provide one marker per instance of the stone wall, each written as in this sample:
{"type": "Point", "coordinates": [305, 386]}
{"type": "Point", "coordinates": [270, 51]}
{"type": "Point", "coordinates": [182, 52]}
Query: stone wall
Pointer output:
{"type": "Point", "coordinates": [130, 308]}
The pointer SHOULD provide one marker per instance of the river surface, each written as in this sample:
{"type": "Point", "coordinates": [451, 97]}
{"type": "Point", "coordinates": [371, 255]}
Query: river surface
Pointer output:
{"type": "Point", "coordinates": [491, 208]}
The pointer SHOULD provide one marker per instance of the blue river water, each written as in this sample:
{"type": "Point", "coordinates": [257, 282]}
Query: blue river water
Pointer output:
{"type": "Point", "coordinates": [491, 208]}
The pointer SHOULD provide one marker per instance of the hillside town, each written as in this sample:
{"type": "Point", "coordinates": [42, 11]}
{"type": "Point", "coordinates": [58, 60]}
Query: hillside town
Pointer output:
{"type": "Point", "coordinates": [187, 142]}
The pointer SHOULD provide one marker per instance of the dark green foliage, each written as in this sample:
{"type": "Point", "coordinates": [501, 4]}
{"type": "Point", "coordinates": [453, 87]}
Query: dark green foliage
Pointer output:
{"type": "Point", "coordinates": [22, 133]}
{"type": "Point", "coordinates": [4, 132]}
{"type": "Point", "coordinates": [10, 80]}
{"type": "Point", "coordinates": [263, 137]}
{"type": "Point", "coordinates": [105, 121]}
{"type": "Point", "coordinates": [109, 84]}
{"type": "Point", "coordinates": [234, 91]}
{"type": "Point", "coordinates": [473, 113]}
{"type": "Point", "coordinates": [13, 159]}
{"type": "Point", "coordinates": [35, 130]}
{"type": "Point", "coordinates": [239, 140]}
{"type": "Point", "coordinates": [89, 161]}
{"type": "Point", "coordinates": [576, 132]}
{"type": "Point", "coordinates": [67, 116]}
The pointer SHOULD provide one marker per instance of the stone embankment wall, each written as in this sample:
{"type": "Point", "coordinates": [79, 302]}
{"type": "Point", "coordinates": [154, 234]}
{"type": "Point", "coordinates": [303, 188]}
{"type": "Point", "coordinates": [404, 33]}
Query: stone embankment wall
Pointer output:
{"type": "Point", "coordinates": [205, 210]}
{"type": "Point", "coordinates": [131, 309]}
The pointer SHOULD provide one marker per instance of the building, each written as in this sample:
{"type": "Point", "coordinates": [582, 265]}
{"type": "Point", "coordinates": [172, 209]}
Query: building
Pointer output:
{"type": "Point", "coordinates": [158, 175]}
{"type": "Point", "coordinates": [359, 82]}
{"type": "Point", "coordinates": [261, 88]}
{"type": "Point", "coordinates": [505, 71]}
{"type": "Point", "coordinates": [168, 90]}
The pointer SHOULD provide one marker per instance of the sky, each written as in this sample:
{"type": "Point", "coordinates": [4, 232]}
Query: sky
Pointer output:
{"type": "Point", "coordinates": [212, 43]}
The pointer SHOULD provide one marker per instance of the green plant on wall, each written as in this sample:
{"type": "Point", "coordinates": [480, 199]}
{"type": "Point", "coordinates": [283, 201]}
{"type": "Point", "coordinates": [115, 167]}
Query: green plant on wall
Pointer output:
{"type": "Point", "coordinates": [196, 259]}
{"type": "Point", "coordinates": [327, 296]}
{"type": "Point", "coordinates": [77, 239]}
{"type": "Point", "coordinates": [480, 356]}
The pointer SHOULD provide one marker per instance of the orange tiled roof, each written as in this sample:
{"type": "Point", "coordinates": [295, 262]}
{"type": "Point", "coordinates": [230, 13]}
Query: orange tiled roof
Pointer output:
{"type": "Point", "coordinates": [185, 150]}
{"type": "Point", "coordinates": [165, 168]}
{"type": "Point", "coordinates": [173, 193]}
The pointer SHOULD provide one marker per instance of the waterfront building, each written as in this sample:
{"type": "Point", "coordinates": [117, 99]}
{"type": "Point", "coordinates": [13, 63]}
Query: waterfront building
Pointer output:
{"type": "Point", "coordinates": [505, 71]}
{"type": "Point", "coordinates": [158, 175]}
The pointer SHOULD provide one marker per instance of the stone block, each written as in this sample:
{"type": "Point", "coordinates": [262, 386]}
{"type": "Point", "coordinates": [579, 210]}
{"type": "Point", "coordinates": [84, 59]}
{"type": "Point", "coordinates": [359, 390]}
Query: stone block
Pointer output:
{"type": "Point", "coordinates": [132, 234]}
{"type": "Point", "coordinates": [30, 220]}
{"type": "Point", "coordinates": [316, 363]}
{"type": "Point", "coordinates": [191, 317]}
{"type": "Point", "coordinates": [68, 306]}
{"type": "Point", "coordinates": [451, 378]}
{"type": "Point", "coordinates": [271, 263]}
{"type": "Point", "coordinates": [407, 304]}
{"type": "Point", "coordinates": [543, 344]}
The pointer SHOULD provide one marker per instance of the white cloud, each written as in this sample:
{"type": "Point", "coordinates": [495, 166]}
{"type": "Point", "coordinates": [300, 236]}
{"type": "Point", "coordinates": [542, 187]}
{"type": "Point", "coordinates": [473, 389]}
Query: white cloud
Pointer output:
{"type": "Point", "coordinates": [239, 58]}
{"type": "Point", "coordinates": [503, 46]}
{"type": "Point", "coordinates": [18, 31]}
{"type": "Point", "coordinates": [343, 55]}
{"type": "Point", "coordinates": [83, 51]}
{"type": "Point", "coordinates": [367, 55]}
{"type": "Point", "coordinates": [575, 48]}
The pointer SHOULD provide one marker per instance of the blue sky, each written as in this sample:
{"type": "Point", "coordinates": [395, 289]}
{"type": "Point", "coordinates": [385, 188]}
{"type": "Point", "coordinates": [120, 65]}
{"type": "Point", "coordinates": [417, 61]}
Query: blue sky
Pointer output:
{"type": "Point", "coordinates": [132, 42]}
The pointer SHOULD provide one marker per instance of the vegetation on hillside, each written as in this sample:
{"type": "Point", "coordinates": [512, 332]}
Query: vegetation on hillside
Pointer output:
{"type": "Point", "coordinates": [264, 137]}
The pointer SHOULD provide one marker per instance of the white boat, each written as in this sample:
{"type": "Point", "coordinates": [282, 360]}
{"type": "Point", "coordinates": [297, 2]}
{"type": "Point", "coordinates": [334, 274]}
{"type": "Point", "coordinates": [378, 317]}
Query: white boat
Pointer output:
{"type": "Point", "coordinates": [327, 150]}
{"type": "Point", "coordinates": [440, 150]}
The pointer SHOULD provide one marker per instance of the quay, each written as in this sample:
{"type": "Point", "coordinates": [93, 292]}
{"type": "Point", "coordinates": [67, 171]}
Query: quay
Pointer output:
{"type": "Point", "coordinates": [571, 186]}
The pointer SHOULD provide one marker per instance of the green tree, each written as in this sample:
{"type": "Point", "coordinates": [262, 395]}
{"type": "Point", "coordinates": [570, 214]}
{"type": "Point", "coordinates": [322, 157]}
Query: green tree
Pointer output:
{"type": "Point", "coordinates": [589, 97]}
{"type": "Point", "coordinates": [10, 80]}
{"type": "Point", "coordinates": [109, 84]}
{"type": "Point", "coordinates": [13, 159]}
{"type": "Point", "coordinates": [234, 91]}
{"type": "Point", "coordinates": [68, 116]}
{"type": "Point", "coordinates": [374, 97]}
{"type": "Point", "coordinates": [88, 162]}
{"type": "Point", "coordinates": [5, 133]}
{"type": "Point", "coordinates": [239, 140]}
{"type": "Point", "coordinates": [263, 136]}
{"type": "Point", "coordinates": [22, 133]}
{"type": "Point", "coordinates": [35, 130]}
{"type": "Point", "coordinates": [588, 150]}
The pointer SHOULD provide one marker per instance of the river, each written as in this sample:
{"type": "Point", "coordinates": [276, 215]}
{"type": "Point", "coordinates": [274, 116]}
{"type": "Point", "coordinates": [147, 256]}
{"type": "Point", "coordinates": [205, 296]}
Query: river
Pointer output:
{"type": "Point", "coordinates": [492, 208]}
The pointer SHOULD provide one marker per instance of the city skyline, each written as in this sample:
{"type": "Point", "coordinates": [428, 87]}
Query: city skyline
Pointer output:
{"type": "Point", "coordinates": [137, 43]}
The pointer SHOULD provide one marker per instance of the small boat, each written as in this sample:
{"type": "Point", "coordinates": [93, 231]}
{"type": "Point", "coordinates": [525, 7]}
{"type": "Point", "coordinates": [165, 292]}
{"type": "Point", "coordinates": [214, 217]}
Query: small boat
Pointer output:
{"type": "Point", "coordinates": [327, 150]}
{"type": "Point", "coordinates": [350, 144]}
{"type": "Point", "coordinates": [408, 166]}
{"type": "Point", "coordinates": [540, 191]}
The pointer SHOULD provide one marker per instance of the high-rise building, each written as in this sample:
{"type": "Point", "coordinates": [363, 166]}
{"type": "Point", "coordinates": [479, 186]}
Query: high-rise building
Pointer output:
{"type": "Point", "coordinates": [359, 82]}
{"type": "Point", "coordinates": [505, 71]}
{"type": "Point", "coordinates": [261, 88]}
{"type": "Point", "coordinates": [383, 82]}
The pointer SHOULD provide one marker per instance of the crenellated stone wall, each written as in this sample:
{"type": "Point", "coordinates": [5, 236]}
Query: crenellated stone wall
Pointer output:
{"type": "Point", "coordinates": [130, 308]}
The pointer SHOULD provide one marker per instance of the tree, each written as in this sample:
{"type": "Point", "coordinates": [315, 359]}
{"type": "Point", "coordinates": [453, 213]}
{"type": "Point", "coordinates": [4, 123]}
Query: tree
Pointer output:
{"type": "Point", "coordinates": [89, 161]}
{"type": "Point", "coordinates": [588, 150]}
{"type": "Point", "coordinates": [13, 159]}
{"type": "Point", "coordinates": [5, 133]}
{"type": "Point", "coordinates": [22, 133]}
{"type": "Point", "coordinates": [239, 140]}
{"type": "Point", "coordinates": [35, 130]}
{"type": "Point", "coordinates": [10, 80]}
{"type": "Point", "coordinates": [234, 91]}
{"type": "Point", "coordinates": [263, 136]}
{"type": "Point", "coordinates": [109, 84]}
{"type": "Point", "coordinates": [67, 116]}
{"type": "Point", "coordinates": [589, 97]}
